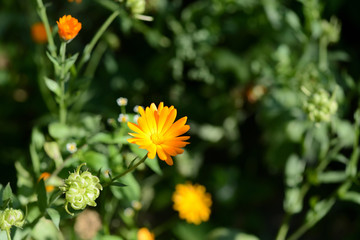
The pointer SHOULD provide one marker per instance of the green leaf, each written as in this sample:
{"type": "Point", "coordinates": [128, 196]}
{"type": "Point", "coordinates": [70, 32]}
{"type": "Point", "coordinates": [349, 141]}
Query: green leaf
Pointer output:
{"type": "Point", "coordinates": [153, 164]}
{"type": "Point", "coordinates": [294, 171]}
{"type": "Point", "coordinates": [319, 211]}
{"type": "Point", "coordinates": [96, 160]}
{"type": "Point", "coordinates": [41, 195]}
{"type": "Point", "coordinates": [70, 62]}
{"type": "Point", "coordinates": [351, 196]}
{"type": "Point", "coordinates": [52, 86]}
{"type": "Point", "coordinates": [118, 184]}
{"type": "Point", "coordinates": [130, 192]}
{"type": "Point", "coordinates": [54, 61]}
{"type": "Point", "coordinates": [46, 229]}
{"type": "Point", "coordinates": [55, 216]}
{"type": "Point", "coordinates": [53, 151]}
{"type": "Point", "coordinates": [229, 234]}
{"type": "Point", "coordinates": [102, 138]}
{"type": "Point", "coordinates": [37, 138]}
{"type": "Point", "coordinates": [110, 237]}
{"type": "Point", "coordinates": [62, 131]}
{"type": "Point", "coordinates": [331, 177]}
{"type": "Point", "coordinates": [293, 202]}
{"type": "Point", "coordinates": [34, 159]}
{"type": "Point", "coordinates": [6, 194]}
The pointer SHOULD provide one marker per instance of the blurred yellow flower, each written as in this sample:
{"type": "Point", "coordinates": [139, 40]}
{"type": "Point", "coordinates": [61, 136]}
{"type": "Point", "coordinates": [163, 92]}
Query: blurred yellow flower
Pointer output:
{"type": "Point", "coordinates": [192, 202]}
{"type": "Point", "coordinates": [77, 1]}
{"type": "Point", "coordinates": [69, 27]}
{"type": "Point", "coordinates": [157, 132]}
{"type": "Point", "coordinates": [38, 33]}
{"type": "Point", "coordinates": [145, 234]}
{"type": "Point", "coordinates": [45, 176]}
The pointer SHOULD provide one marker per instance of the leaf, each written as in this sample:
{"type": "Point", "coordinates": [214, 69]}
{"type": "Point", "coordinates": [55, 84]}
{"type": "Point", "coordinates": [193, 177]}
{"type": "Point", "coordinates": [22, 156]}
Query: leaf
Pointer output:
{"type": "Point", "coordinates": [229, 234]}
{"type": "Point", "coordinates": [293, 202]}
{"type": "Point", "coordinates": [70, 62]}
{"type": "Point", "coordinates": [319, 211]}
{"type": "Point", "coordinates": [130, 192]}
{"type": "Point", "coordinates": [37, 138]}
{"type": "Point", "coordinates": [294, 171]}
{"type": "Point", "coordinates": [61, 131]}
{"type": "Point", "coordinates": [53, 151]}
{"type": "Point", "coordinates": [41, 195]}
{"type": "Point", "coordinates": [118, 184]}
{"type": "Point", "coordinates": [351, 196]}
{"type": "Point", "coordinates": [102, 138]}
{"type": "Point", "coordinates": [55, 216]}
{"type": "Point", "coordinates": [52, 86]}
{"type": "Point", "coordinates": [153, 164]}
{"type": "Point", "coordinates": [35, 159]}
{"type": "Point", "coordinates": [96, 160]}
{"type": "Point", "coordinates": [5, 194]}
{"type": "Point", "coordinates": [332, 177]}
{"type": "Point", "coordinates": [46, 229]}
{"type": "Point", "coordinates": [54, 61]}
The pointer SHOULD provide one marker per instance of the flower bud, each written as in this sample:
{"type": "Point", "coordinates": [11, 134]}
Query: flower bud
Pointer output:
{"type": "Point", "coordinates": [81, 189]}
{"type": "Point", "coordinates": [320, 106]}
{"type": "Point", "coordinates": [11, 217]}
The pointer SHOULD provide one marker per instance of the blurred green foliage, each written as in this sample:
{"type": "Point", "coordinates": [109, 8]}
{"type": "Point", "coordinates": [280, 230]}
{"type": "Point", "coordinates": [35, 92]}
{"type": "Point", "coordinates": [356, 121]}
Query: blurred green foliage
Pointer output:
{"type": "Point", "coordinates": [235, 68]}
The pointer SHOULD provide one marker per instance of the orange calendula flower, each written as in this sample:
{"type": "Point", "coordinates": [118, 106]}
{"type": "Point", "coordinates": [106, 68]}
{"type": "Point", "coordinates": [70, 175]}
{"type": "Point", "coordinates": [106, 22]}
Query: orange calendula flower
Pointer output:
{"type": "Point", "coordinates": [69, 27]}
{"type": "Point", "coordinates": [157, 132]}
{"type": "Point", "coordinates": [38, 33]}
{"type": "Point", "coordinates": [145, 234]}
{"type": "Point", "coordinates": [46, 175]}
{"type": "Point", "coordinates": [192, 202]}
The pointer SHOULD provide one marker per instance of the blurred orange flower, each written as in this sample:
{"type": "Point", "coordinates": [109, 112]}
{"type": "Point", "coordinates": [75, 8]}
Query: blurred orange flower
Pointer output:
{"type": "Point", "coordinates": [145, 234]}
{"type": "Point", "coordinates": [157, 132]}
{"type": "Point", "coordinates": [77, 1]}
{"type": "Point", "coordinates": [38, 33]}
{"type": "Point", "coordinates": [69, 27]}
{"type": "Point", "coordinates": [192, 202]}
{"type": "Point", "coordinates": [46, 175]}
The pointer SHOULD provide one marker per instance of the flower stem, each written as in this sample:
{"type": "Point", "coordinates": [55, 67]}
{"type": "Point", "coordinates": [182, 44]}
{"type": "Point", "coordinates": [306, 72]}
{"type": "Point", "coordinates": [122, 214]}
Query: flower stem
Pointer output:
{"type": "Point", "coordinates": [126, 171]}
{"type": "Point", "coordinates": [62, 107]}
{"type": "Point", "coordinates": [8, 234]}
{"type": "Point", "coordinates": [44, 19]}
{"type": "Point", "coordinates": [323, 61]}
{"type": "Point", "coordinates": [281, 235]}
{"type": "Point", "coordinates": [89, 47]}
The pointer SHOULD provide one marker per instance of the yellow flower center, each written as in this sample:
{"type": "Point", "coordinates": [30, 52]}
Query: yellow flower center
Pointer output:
{"type": "Point", "coordinates": [156, 139]}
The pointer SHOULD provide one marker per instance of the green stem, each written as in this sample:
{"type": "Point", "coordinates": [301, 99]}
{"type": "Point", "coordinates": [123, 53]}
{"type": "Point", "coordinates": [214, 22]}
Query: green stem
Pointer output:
{"type": "Point", "coordinates": [8, 234]}
{"type": "Point", "coordinates": [323, 65]}
{"type": "Point", "coordinates": [88, 49]}
{"type": "Point", "coordinates": [284, 228]}
{"type": "Point", "coordinates": [126, 171]}
{"type": "Point", "coordinates": [44, 19]}
{"type": "Point", "coordinates": [351, 169]}
{"type": "Point", "coordinates": [62, 103]}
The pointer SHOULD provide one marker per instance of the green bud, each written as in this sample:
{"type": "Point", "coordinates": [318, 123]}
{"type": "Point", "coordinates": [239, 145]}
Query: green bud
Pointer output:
{"type": "Point", "coordinates": [11, 217]}
{"type": "Point", "coordinates": [136, 6]}
{"type": "Point", "coordinates": [320, 106]}
{"type": "Point", "coordinates": [81, 189]}
{"type": "Point", "coordinates": [331, 29]}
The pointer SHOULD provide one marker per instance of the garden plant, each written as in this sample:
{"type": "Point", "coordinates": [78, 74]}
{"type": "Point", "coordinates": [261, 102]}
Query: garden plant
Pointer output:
{"type": "Point", "coordinates": [189, 120]}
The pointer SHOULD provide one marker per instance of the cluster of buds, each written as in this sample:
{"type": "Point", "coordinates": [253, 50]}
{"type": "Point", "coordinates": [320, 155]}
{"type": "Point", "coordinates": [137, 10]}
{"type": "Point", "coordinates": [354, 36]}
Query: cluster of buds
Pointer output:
{"type": "Point", "coordinates": [320, 106]}
{"type": "Point", "coordinates": [11, 217]}
{"type": "Point", "coordinates": [331, 29]}
{"type": "Point", "coordinates": [81, 189]}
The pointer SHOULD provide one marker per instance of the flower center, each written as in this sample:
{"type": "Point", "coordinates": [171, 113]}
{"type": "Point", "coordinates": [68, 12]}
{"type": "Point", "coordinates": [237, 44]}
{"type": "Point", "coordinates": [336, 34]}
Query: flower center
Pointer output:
{"type": "Point", "coordinates": [156, 139]}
